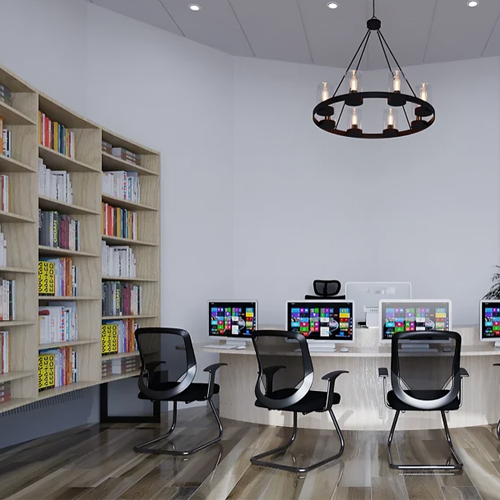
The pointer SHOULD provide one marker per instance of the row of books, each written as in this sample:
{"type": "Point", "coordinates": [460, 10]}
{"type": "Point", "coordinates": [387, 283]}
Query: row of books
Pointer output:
{"type": "Point", "coordinates": [5, 140]}
{"type": "Point", "coordinates": [57, 322]}
{"type": "Point", "coordinates": [116, 221]}
{"type": "Point", "coordinates": [57, 277]}
{"type": "Point", "coordinates": [57, 367]}
{"type": "Point", "coordinates": [118, 261]}
{"type": "Point", "coordinates": [120, 366]}
{"type": "Point", "coordinates": [121, 299]}
{"type": "Point", "coordinates": [122, 184]}
{"type": "Point", "coordinates": [4, 193]}
{"type": "Point", "coordinates": [4, 352]}
{"type": "Point", "coordinates": [55, 184]}
{"type": "Point", "coordinates": [126, 155]}
{"type": "Point", "coordinates": [7, 300]}
{"type": "Point", "coordinates": [5, 392]}
{"type": "Point", "coordinates": [58, 231]}
{"type": "Point", "coordinates": [3, 249]}
{"type": "Point", "coordinates": [118, 337]}
{"type": "Point", "coordinates": [55, 136]}
{"type": "Point", "coordinates": [5, 95]}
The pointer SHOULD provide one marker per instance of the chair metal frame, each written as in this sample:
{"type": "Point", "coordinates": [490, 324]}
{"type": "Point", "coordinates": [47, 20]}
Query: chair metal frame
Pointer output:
{"type": "Point", "coordinates": [424, 405]}
{"type": "Point", "coordinates": [265, 378]}
{"type": "Point", "coordinates": [184, 381]}
{"type": "Point", "coordinates": [498, 425]}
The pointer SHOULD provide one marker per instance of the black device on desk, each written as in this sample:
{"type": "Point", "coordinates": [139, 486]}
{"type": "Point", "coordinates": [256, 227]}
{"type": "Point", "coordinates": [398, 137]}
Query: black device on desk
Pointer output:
{"type": "Point", "coordinates": [398, 316]}
{"type": "Point", "coordinates": [234, 320]}
{"type": "Point", "coordinates": [323, 322]}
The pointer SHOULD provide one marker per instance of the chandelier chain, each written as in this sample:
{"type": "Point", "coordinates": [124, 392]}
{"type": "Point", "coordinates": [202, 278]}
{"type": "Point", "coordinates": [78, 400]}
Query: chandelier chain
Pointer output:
{"type": "Point", "coordinates": [374, 8]}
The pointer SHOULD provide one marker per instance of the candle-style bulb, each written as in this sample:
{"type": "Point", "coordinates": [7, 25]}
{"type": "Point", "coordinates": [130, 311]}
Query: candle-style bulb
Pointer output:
{"type": "Point", "coordinates": [324, 92]}
{"type": "Point", "coordinates": [354, 118]}
{"type": "Point", "coordinates": [390, 119]}
{"type": "Point", "coordinates": [423, 92]}
{"type": "Point", "coordinates": [354, 81]}
{"type": "Point", "coordinates": [396, 81]}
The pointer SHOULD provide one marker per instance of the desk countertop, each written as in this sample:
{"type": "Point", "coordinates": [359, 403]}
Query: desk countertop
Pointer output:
{"type": "Point", "coordinates": [356, 352]}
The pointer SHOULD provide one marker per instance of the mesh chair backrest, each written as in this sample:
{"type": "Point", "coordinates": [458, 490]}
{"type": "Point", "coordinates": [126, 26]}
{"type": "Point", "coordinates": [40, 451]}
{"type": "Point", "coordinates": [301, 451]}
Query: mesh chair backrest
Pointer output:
{"type": "Point", "coordinates": [285, 368]}
{"type": "Point", "coordinates": [423, 371]}
{"type": "Point", "coordinates": [326, 288]}
{"type": "Point", "coordinates": [167, 355]}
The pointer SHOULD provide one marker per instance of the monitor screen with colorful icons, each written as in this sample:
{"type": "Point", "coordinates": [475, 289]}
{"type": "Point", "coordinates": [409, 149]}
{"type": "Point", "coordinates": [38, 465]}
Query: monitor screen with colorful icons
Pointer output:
{"type": "Point", "coordinates": [322, 319]}
{"type": "Point", "coordinates": [232, 318]}
{"type": "Point", "coordinates": [413, 316]}
{"type": "Point", "coordinates": [489, 320]}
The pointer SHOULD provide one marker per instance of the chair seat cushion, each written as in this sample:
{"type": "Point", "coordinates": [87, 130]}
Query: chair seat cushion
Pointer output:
{"type": "Point", "coordinates": [195, 392]}
{"type": "Point", "coordinates": [397, 404]}
{"type": "Point", "coordinates": [312, 401]}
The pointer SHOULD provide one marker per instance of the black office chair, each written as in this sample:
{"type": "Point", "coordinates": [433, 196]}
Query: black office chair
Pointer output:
{"type": "Point", "coordinates": [326, 289]}
{"type": "Point", "coordinates": [172, 380]}
{"type": "Point", "coordinates": [498, 425]}
{"type": "Point", "coordinates": [425, 379]}
{"type": "Point", "coordinates": [284, 383]}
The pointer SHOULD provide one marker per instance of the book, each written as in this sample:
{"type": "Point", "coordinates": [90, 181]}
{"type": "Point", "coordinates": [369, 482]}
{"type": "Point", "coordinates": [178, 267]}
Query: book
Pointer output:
{"type": "Point", "coordinates": [122, 184]}
{"type": "Point", "coordinates": [7, 143]}
{"type": "Point", "coordinates": [4, 193]}
{"type": "Point", "coordinates": [118, 337]}
{"type": "Point", "coordinates": [54, 184]}
{"type": "Point", "coordinates": [57, 276]}
{"type": "Point", "coordinates": [118, 261]}
{"type": "Point", "coordinates": [58, 230]}
{"type": "Point", "coordinates": [121, 299]}
{"type": "Point", "coordinates": [57, 322]}
{"type": "Point", "coordinates": [127, 155]}
{"type": "Point", "coordinates": [56, 136]}
{"type": "Point", "coordinates": [7, 300]}
{"type": "Point", "coordinates": [57, 367]}
{"type": "Point", "coordinates": [3, 249]}
{"type": "Point", "coordinates": [119, 222]}
{"type": "Point", "coordinates": [4, 352]}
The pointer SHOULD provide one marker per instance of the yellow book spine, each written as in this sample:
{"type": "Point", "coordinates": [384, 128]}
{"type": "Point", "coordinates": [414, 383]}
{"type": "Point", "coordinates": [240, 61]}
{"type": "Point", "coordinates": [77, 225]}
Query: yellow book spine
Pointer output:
{"type": "Point", "coordinates": [55, 131]}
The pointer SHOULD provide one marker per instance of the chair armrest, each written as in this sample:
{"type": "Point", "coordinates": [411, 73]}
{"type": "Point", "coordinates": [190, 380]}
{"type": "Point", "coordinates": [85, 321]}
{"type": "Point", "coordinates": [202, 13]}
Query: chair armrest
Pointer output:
{"type": "Point", "coordinates": [212, 369]}
{"type": "Point", "coordinates": [496, 364]}
{"type": "Point", "coordinates": [382, 372]}
{"type": "Point", "coordinates": [269, 372]}
{"type": "Point", "coordinates": [330, 391]}
{"type": "Point", "coordinates": [463, 372]}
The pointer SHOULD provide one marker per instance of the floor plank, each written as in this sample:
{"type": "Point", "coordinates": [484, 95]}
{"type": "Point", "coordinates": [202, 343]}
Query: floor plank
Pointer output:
{"type": "Point", "coordinates": [98, 463]}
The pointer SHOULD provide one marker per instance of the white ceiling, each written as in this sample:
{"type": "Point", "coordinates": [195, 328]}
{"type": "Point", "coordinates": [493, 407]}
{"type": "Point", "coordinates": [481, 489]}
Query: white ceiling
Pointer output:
{"type": "Point", "coordinates": [306, 31]}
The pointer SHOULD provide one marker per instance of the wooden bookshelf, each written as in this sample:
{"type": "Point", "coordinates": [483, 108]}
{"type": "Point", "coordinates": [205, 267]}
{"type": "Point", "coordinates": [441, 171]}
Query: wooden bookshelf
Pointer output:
{"type": "Point", "coordinates": [20, 226]}
{"type": "Point", "coordinates": [120, 355]}
{"type": "Point", "coordinates": [114, 378]}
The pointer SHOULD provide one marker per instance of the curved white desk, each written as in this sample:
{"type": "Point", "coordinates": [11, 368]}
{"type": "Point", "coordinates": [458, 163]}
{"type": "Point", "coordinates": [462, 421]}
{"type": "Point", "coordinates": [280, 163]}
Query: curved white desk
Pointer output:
{"type": "Point", "coordinates": [362, 405]}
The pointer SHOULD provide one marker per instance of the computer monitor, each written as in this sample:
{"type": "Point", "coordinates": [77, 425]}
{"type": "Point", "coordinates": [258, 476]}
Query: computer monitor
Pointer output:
{"type": "Point", "coordinates": [367, 295]}
{"type": "Point", "coordinates": [414, 316]}
{"type": "Point", "coordinates": [234, 320]}
{"type": "Point", "coordinates": [489, 321]}
{"type": "Point", "coordinates": [323, 322]}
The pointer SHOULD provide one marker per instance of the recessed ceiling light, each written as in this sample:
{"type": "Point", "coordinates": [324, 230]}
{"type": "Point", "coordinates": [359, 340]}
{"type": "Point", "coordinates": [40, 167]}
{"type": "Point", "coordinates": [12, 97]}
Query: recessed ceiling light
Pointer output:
{"type": "Point", "coordinates": [472, 3]}
{"type": "Point", "coordinates": [332, 5]}
{"type": "Point", "coordinates": [194, 7]}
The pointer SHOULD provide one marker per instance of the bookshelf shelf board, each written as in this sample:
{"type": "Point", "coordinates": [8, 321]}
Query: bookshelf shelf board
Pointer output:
{"type": "Point", "coordinates": [11, 324]}
{"type": "Point", "coordinates": [68, 343]}
{"type": "Point", "coordinates": [14, 403]}
{"type": "Point", "coordinates": [17, 270]}
{"type": "Point", "coordinates": [55, 160]}
{"type": "Point", "coordinates": [120, 355]}
{"type": "Point", "coordinates": [12, 116]}
{"type": "Point", "coordinates": [138, 280]}
{"type": "Point", "coordinates": [64, 208]}
{"type": "Point", "coordinates": [126, 241]}
{"type": "Point", "coordinates": [59, 113]}
{"type": "Point", "coordinates": [12, 217]}
{"type": "Point", "coordinates": [7, 377]}
{"type": "Point", "coordinates": [57, 391]}
{"type": "Point", "coordinates": [138, 316]}
{"type": "Point", "coordinates": [131, 205]}
{"type": "Point", "coordinates": [14, 83]}
{"type": "Point", "coordinates": [110, 162]}
{"type": "Point", "coordinates": [69, 298]}
{"type": "Point", "coordinates": [44, 250]}
{"type": "Point", "coordinates": [11, 165]}
{"type": "Point", "coordinates": [114, 378]}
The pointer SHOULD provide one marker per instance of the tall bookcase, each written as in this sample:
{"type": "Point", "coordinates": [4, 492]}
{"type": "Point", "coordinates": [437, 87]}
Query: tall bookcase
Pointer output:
{"type": "Point", "coordinates": [20, 226]}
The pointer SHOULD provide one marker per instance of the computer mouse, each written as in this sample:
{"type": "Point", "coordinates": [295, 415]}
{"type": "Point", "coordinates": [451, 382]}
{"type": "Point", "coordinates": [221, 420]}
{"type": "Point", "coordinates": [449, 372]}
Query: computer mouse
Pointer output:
{"type": "Point", "coordinates": [447, 349]}
{"type": "Point", "coordinates": [344, 349]}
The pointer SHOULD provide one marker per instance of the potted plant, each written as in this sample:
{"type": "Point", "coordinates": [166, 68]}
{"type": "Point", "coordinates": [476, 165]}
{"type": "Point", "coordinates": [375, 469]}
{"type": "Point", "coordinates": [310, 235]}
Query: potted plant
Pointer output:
{"type": "Point", "coordinates": [494, 292]}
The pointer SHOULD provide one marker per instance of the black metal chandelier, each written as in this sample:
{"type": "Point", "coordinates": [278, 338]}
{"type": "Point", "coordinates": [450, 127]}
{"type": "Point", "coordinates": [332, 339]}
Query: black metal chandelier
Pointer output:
{"type": "Point", "coordinates": [418, 113]}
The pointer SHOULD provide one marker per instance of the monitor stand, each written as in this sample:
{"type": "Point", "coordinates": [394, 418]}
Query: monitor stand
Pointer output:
{"type": "Point", "coordinates": [321, 346]}
{"type": "Point", "coordinates": [233, 344]}
{"type": "Point", "coordinates": [497, 344]}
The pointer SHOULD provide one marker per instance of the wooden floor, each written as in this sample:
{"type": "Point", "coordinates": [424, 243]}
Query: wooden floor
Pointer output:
{"type": "Point", "coordinates": [97, 463]}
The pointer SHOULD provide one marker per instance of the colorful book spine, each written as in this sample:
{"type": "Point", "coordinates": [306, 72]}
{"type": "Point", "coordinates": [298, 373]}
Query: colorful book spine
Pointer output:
{"type": "Point", "coordinates": [56, 136]}
{"type": "Point", "coordinates": [5, 392]}
{"type": "Point", "coordinates": [4, 352]}
{"type": "Point", "coordinates": [121, 366]}
{"type": "Point", "coordinates": [7, 142]}
{"type": "Point", "coordinates": [118, 337]}
{"type": "Point", "coordinates": [57, 322]}
{"type": "Point", "coordinates": [7, 300]}
{"type": "Point", "coordinates": [122, 184]}
{"type": "Point", "coordinates": [4, 193]}
{"type": "Point", "coordinates": [121, 299]}
{"type": "Point", "coordinates": [58, 230]}
{"type": "Point", "coordinates": [118, 261]}
{"type": "Point", "coordinates": [57, 368]}
{"type": "Point", "coordinates": [118, 222]}
{"type": "Point", "coordinates": [127, 155]}
{"type": "Point", "coordinates": [57, 277]}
